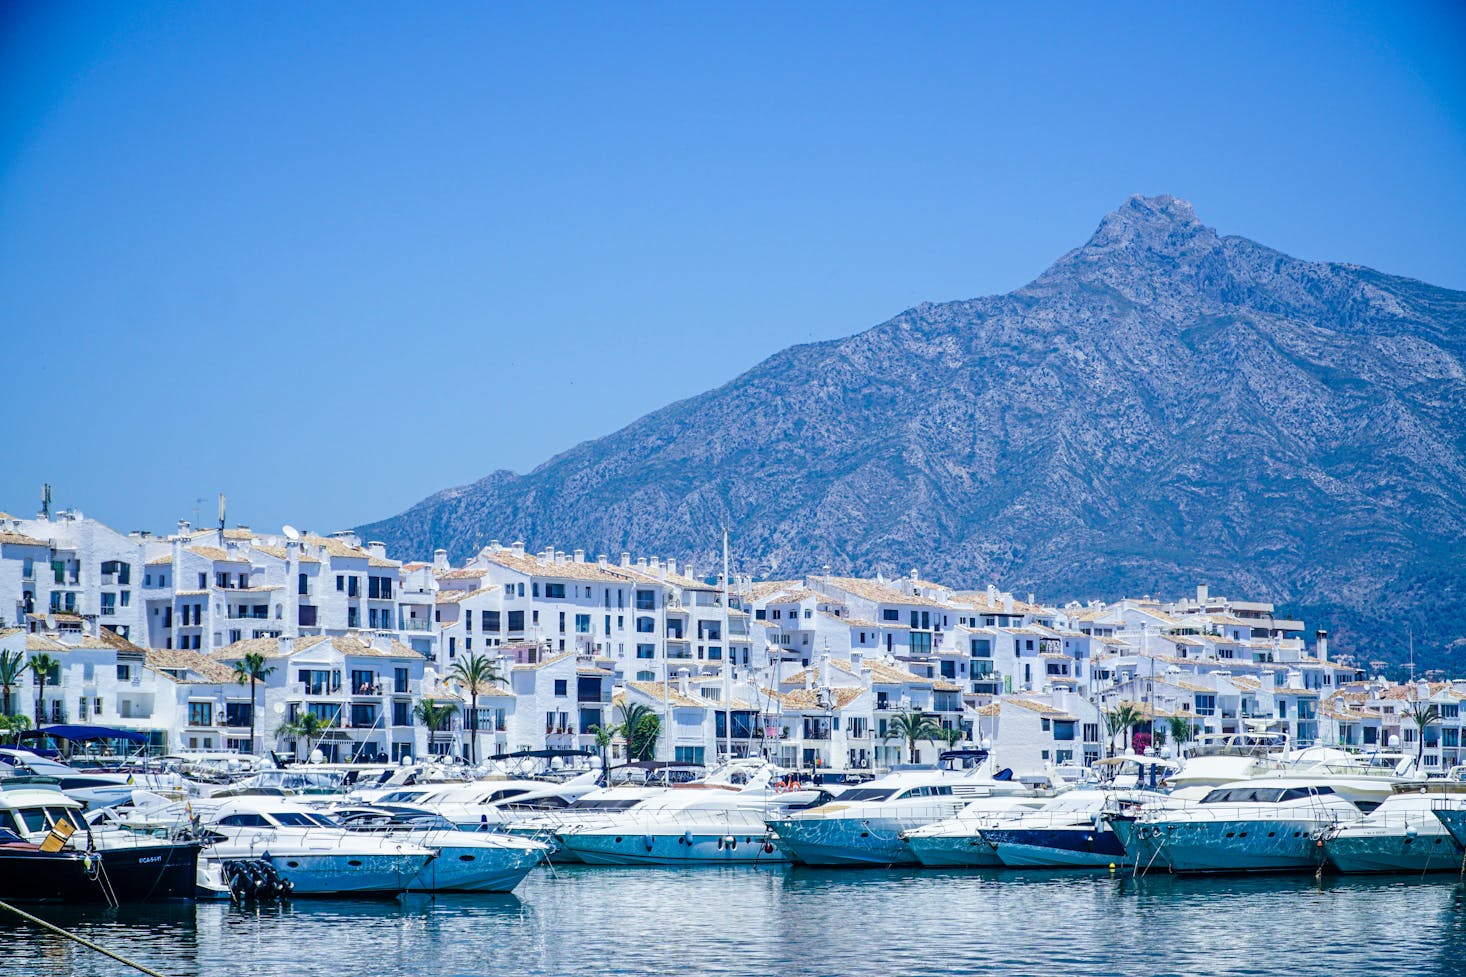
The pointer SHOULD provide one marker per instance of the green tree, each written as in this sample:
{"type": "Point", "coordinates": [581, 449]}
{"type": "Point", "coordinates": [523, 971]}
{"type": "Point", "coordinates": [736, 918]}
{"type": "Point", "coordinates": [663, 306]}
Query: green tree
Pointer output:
{"type": "Point", "coordinates": [1423, 714]}
{"type": "Point", "coordinates": [477, 673]}
{"type": "Point", "coordinates": [912, 727]}
{"type": "Point", "coordinates": [1121, 719]}
{"type": "Point", "coordinates": [46, 669]}
{"type": "Point", "coordinates": [641, 728]}
{"type": "Point", "coordinates": [252, 669]}
{"type": "Point", "coordinates": [435, 716]}
{"type": "Point", "coordinates": [952, 735]}
{"type": "Point", "coordinates": [13, 726]}
{"type": "Point", "coordinates": [604, 735]}
{"type": "Point", "coordinates": [1181, 731]}
{"type": "Point", "coordinates": [305, 726]}
{"type": "Point", "coordinates": [12, 667]}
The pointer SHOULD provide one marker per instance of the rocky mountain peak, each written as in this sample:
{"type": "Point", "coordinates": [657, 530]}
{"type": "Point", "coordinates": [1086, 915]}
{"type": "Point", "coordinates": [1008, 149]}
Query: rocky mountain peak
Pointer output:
{"type": "Point", "coordinates": [1161, 408]}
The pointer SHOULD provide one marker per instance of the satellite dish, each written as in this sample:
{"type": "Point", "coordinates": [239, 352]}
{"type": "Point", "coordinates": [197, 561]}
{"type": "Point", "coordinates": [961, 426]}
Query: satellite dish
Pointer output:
{"type": "Point", "coordinates": [290, 531]}
{"type": "Point", "coordinates": [279, 708]}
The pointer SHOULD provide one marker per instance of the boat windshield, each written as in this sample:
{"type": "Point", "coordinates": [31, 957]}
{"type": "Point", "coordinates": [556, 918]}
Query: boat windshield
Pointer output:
{"type": "Point", "coordinates": [619, 804]}
{"type": "Point", "coordinates": [300, 819]}
{"type": "Point", "coordinates": [1262, 795]}
{"type": "Point", "coordinates": [865, 794]}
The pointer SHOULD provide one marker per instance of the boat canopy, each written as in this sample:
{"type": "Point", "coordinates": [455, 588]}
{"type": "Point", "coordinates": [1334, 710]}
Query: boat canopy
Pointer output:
{"type": "Point", "coordinates": [83, 733]}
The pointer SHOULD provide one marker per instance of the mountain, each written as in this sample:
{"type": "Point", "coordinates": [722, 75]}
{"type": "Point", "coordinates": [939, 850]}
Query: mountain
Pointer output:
{"type": "Point", "coordinates": [1162, 407]}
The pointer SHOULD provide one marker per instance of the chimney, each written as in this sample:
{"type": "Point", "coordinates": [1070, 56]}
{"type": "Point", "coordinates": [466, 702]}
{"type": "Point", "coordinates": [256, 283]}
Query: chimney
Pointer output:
{"type": "Point", "coordinates": [857, 658]}
{"type": "Point", "coordinates": [601, 559]}
{"type": "Point", "coordinates": [808, 679]}
{"type": "Point", "coordinates": [183, 527]}
{"type": "Point", "coordinates": [1202, 592]}
{"type": "Point", "coordinates": [580, 556]}
{"type": "Point", "coordinates": [518, 547]}
{"type": "Point", "coordinates": [672, 566]}
{"type": "Point", "coordinates": [825, 670]}
{"type": "Point", "coordinates": [1321, 645]}
{"type": "Point", "coordinates": [682, 681]}
{"type": "Point", "coordinates": [992, 593]}
{"type": "Point", "coordinates": [440, 559]}
{"type": "Point", "coordinates": [625, 559]}
{"type": "Point", "coordinates": [378, 549]}
{"type": "Point", "coordinates": [287, 646]}
{"type": "Point", "coordinates": [641, 562]}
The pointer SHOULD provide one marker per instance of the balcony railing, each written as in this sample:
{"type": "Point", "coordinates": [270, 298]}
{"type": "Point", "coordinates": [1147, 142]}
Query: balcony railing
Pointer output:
{"type": "Point", "coordinates": [416, 624]}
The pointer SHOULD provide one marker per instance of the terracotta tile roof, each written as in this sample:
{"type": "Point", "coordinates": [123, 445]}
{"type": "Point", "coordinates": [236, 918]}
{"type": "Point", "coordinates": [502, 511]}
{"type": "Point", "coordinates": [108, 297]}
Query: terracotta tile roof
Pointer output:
{"type": "Point", "coordinates": [158, 561]}
{"type": "Point", "coordinates": [877, 592]}
{"type": "Point", "coordinates": [456, 596]}
{"type": "Point", "coordinates": [280, 553]}
{"type": "Point", "coordinates": [1042, 708]}
{"type": "Point", "coordinates": [336, 547]}
{"type": "Point", "coordinates": [807, 700]}
{"type": "Point", "coordinates": [556, 570]}
{"type": "Point", "coordinates": [345, 644]}
{"type": "Point", "coordinates": [39, 642]}
{"type": "Point", "coordinates": [943, 685]}
{"type": "Point", "coordinates": [216, 554]}
{"type": "Point", "coordinates": [763, 588]}
{"type": "Point", "coordinates": [177, 659]}
{"type": "Point", "coordinates": [653, 690]}
{"type": "Point", "coordinates": [463, 573]}
{"type": "Point", "coordinates": [543, 662]}
{"type": "Point", "coordinates": [19, 539]}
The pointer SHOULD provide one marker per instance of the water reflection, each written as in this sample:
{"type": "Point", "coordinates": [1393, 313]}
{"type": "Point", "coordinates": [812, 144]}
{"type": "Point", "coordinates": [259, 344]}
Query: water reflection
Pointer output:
{"type": "Point", "coordinates": [800, 921]}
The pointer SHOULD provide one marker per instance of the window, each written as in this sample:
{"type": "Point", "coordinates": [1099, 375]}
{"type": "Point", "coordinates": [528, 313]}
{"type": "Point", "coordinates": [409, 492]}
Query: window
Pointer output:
{"type": "Point", "coordinates": [203, 581]}
{"type": "Point", "coordinates": [646, 676]}
{"type": "Point", "coordinates": [124, 673]}
{"type": "Point", "coordinates": [1063, 729]}
{"type": "Point", "coordinates": [97, 706]}
{"type": "Point", "coordinates": [353, 617]}
{"type": "Point", "coordinates": [125, 598]}
{"type": "Point", "coordinates": [302, 584]}
{"type": "Point", "coordinates": [1206, 705]}
{"type": "Point", "coordinates": [353, 586]}
{"type": "Point", "coordinates": [1091, 732]}
{"type": "Point", "coordinates": [306, 615]}
{"type": "Point", "coordinates": [340, 583]}
{"type": "Point", "coordinates": [237, 714]}
{"type": "Point", "coordinates": [890, 614]}
{"type": "Point", "coordinates": [109, 604]}
{"type": "Point", "coordinates": [363, 714]}
{"type": "Point", "coordinates": [582, 624]}
{"type": "Point", "coordinates": [468, 620]}
{"type": "Point", "coordinates": [646, 625]}
{"type": "Point", "coordinates": [561, 686]}
{"type": "Point", "coordinates": [401, 713]}
{"type": "Point", "coordinates": [488, 620]}
{"type": "Point", "coordinates": [199, 713]}
{"type": "Point", "coordinates": [221, 580]}
{"type": "Point", "coordinates": [646, 600]}
{"type": "Point", "coordinates": [555, 590]}
{"type": "Point", "coordinates": [516, 621]}
{"type": "Point", "coordinates": [646, 651]}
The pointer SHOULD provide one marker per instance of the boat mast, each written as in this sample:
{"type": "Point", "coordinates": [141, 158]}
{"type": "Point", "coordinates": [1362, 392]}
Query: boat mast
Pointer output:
{"type": "Point", "coordinates": [727, 658]}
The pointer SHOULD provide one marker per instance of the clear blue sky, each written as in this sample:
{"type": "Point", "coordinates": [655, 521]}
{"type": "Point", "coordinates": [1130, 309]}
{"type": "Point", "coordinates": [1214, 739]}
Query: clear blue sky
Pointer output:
{"type": "Point", "coordinates": [331, 257]}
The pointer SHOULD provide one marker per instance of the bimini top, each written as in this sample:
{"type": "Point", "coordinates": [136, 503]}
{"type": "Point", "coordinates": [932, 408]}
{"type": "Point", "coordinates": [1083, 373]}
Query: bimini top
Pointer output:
{"type": "Point", "coordinates": [81, 733]}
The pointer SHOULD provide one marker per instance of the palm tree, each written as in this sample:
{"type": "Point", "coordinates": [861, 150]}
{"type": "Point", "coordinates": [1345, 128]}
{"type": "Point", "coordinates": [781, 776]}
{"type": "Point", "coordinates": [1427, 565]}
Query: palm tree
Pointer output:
{"type": "Point", "coordinates": [604, 735]}
{"type": "Point", "coordinates": [912, 726]}
{"type": "Point", "coordinates": [44, 667]}
{"type": "Point", "coordinates": [476, 673]}
{"type": "Point", "coordinates": [952, 735]}
{"type": "Point", "coordinates": [1424, 714]}
{"type": "Point", "coordinates": [1121, 719]}
{"type": "Point", "coordinates": [305, 726]}
{"type": "Point", "coordinates": [252, 668]}
{"type": "Point", "coordinates": [433, 715]}
{"type": "Point", "coordinates": [1181, 731]}
{"type": "Point", "coordinates": [12, 667]}
{"type": "Point", "coordinates": [641, 727]}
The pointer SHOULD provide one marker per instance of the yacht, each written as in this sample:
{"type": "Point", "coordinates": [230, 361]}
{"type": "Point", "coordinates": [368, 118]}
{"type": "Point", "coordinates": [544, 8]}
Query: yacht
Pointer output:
{"type": "Point", "coordinates": [863, 825]}
{"type": "Point", "coordinates": [956, 842]}
{"type": "Point", "coordinates": [1403, 834]}
{"type": "Point", "coordinates": [467, 861]}
{"type": "Point", "coordinates": [1224, 758]}
{"type": "Point", "coordinates": [591, 808]}
{"type": "Point", "coordinates": [720, 819]}
{"type": "Point", "coordinates": [1260, 825]}
{"type": "Point", "coordinates": [483, 804]}
{"type": "Point", "coordinates": [315, 854]}
{"type": "Point", "coordinates": [93, 788]}
{"type": "Point", "coordinates": [1070, 831]}
{"type": "Point", "coordinates": [48, 852]}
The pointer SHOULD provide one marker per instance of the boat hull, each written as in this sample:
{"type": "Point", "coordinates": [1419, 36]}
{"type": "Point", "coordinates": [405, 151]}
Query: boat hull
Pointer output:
{"type": "Point", "coordinates": [1080, 847]}
{"type": "Point", "coordinates": [1352, 854]}
{"type": "Point", "coordinates": [1229, 846]}
{"type": "Point", "coordinates": [683, 848]}
{"type": "Point", "coordinates": [136, 874]}
{"type": "Point", "coordinates": [849, 842]}
{"type": "Point", "coordinates": [953, 851]}
{"type": "Point", "coordinates": [343, 874]}
{"type": "Point", "coordinates": [474, 868]}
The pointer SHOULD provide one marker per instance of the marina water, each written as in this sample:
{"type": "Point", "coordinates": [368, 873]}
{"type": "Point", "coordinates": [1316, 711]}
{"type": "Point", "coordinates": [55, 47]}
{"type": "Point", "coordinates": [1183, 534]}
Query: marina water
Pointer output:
{"type": "Point", "coordinates": [796, 921]}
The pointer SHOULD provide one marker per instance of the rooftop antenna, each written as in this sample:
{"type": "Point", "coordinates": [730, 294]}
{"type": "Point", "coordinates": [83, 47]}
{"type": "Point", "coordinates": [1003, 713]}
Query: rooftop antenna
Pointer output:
{"type": "Point", "coordinates": [1410, 636]}
{"type": "Point", "coordinates": [46, 501]}
{"type": "Point", "coordinates": [222, 505]}
{"type": "Point", "coordinates": [727, 657]}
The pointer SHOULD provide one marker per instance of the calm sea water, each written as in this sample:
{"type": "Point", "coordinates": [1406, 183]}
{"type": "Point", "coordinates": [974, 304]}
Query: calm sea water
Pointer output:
{"type": "Point", "coordinates": [795, 921]}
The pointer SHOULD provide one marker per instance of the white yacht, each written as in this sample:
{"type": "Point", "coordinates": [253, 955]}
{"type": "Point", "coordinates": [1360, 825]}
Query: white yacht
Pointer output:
{"type": "Point", "coordinates": [720, 819]}
{"type": "Point", "coordinates": [1260, 825]}
{"type": "Point", "coordinates": [93, 788]}
{"type": "Point", "coordinates": [956, 843]}
{"type": "Point", "coordinates": [863, 825]}
{"type": "Point", "coordinates": [315, 854]}
{"type": "Point", "coordinates": [1403, 834]}
{"type": "Point", "coordinates": [467, 861]}
{"type": "Point", "coordinates": [485, 804]}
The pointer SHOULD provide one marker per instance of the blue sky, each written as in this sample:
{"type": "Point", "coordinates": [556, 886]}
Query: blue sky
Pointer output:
{"type": "Point", "coordinates": [331, 257]}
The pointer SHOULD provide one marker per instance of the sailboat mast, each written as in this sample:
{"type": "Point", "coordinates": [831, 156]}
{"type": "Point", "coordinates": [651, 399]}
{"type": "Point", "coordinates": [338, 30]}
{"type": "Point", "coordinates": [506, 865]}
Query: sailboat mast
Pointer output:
{"type": "Point", "coordinates": [727, 658]}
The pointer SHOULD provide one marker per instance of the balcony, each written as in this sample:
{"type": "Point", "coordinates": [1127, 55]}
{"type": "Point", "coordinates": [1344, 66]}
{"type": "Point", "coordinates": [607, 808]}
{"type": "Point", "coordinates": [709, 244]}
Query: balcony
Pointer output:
{"type": "Point", "coordinates": [416, 624]}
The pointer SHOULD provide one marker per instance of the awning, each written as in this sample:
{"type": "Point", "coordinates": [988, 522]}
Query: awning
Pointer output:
{"type": "Point", "coordinates": [84, 733]}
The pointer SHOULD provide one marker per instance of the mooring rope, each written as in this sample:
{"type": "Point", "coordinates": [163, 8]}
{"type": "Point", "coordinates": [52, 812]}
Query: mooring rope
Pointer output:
{"type": "Point", "coordinates": [80, 939]}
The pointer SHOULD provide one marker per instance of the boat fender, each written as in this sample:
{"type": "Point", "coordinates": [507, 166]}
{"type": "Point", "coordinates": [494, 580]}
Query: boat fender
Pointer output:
{"type": "Point", "coordinates": [768, 848]}
{"type": "Point", "coordinates": [648, 840]}
{"type": "Point", "coordinates": [686, 838]}
{"type": "Point", "coordinates": [730, 841]}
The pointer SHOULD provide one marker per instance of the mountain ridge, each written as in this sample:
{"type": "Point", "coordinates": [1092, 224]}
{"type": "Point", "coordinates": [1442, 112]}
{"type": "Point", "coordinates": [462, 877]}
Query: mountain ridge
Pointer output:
{"type": "Point", "coordinates": [1162, 406]}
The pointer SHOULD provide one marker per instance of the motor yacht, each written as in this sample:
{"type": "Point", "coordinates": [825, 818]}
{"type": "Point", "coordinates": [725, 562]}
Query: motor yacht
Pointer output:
{"type": "Point", "coordinates": [315, 854]}
{"type": "Point", "coordinates": [1403, 834]}
{"type": "Point", "coordinates": [93, 788]}
{"type": "Point", "coordinates": [863, 825]}
{"type": "Point", "coordinates": [467, 861]}
{"type": "Point", "coordinates": [1260, 825]}
{"type": "Point", "coordinates": [956, 843]}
